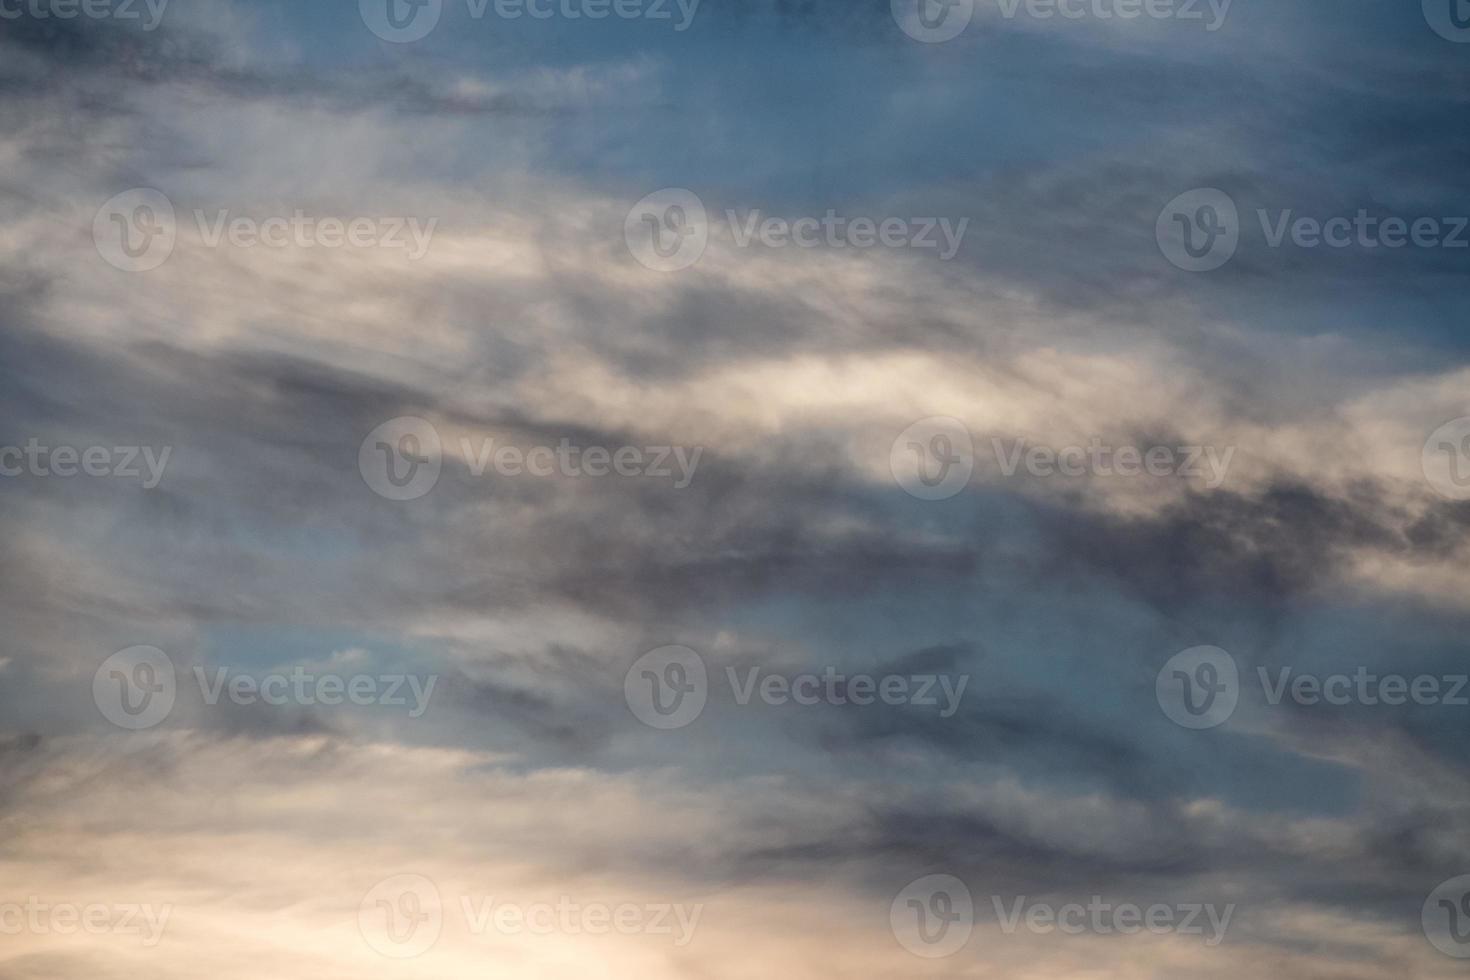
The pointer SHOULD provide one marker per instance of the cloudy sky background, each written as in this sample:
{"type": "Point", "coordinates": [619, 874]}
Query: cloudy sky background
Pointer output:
{"type": "Point", "coordinates": [793, 549]}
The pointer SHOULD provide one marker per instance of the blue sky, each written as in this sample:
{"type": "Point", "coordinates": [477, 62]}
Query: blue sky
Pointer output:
{"type": "Point", "coordinates": [336, 277]}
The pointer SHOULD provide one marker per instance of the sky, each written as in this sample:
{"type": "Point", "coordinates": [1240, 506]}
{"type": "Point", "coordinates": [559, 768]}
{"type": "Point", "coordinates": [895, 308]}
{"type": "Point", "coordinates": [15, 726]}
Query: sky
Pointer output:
{"type": "Point", "coordinates": [675, 489]}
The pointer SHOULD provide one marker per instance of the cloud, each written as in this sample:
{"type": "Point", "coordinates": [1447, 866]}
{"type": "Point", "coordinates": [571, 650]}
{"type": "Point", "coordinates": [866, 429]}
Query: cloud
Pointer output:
{"type": "Point", "coordinates": [793, 548]}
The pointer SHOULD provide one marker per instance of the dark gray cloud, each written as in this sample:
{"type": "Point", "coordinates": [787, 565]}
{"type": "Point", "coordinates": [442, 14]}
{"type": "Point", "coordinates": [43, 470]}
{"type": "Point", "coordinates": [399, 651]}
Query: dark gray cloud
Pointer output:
{"type": "Point", "coordinates": [792, 550]}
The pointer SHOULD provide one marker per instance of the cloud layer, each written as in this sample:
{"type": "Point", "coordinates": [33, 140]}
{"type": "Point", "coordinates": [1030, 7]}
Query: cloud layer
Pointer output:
{"type": "Point", "coordinates": [1295, 520]}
